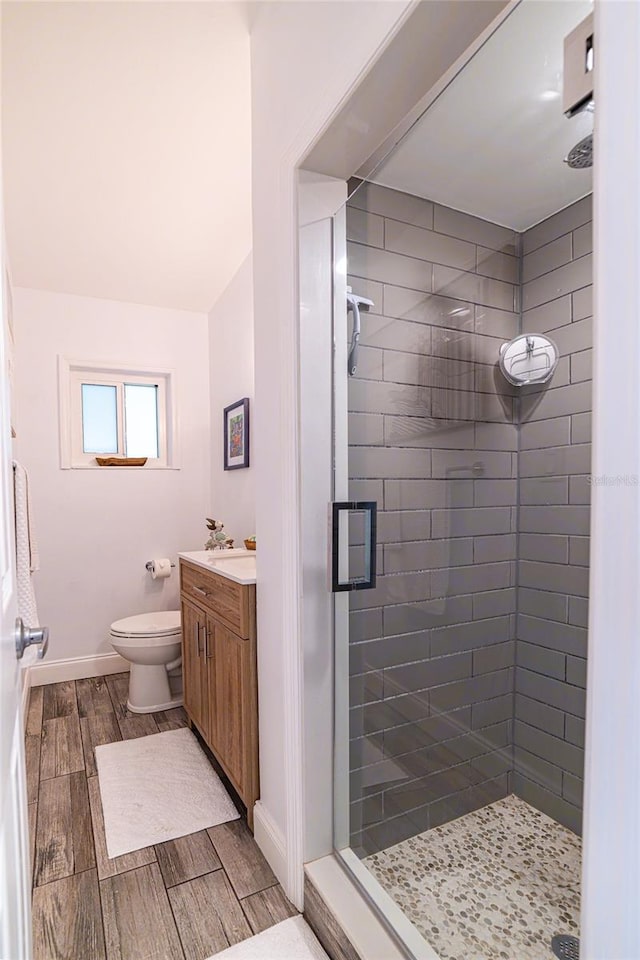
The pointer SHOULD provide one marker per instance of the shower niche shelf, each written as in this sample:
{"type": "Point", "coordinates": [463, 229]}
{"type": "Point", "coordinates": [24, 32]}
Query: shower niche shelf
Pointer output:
{"type": "Point", "coordinates": [529, 359]}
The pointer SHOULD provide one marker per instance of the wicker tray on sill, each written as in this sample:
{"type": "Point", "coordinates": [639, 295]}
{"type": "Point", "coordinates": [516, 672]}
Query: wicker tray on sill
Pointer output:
{"type": "Point", "coordinates": [121, 461]}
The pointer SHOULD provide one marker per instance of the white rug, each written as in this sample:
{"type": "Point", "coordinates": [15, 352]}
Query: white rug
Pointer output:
{"type": "Point", "coordinates": [158, 788]}
{"type": "Point", "coordinates": [293, 939]}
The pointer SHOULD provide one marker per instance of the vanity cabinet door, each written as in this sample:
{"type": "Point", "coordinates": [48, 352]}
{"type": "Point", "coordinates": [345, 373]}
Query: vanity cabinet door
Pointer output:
{"type": "Point", "coordinates": [194, 666]}
{"type": "Point", "coordinates": [232, 678]}
{"type": "Point", "coordinates": [210, 666]}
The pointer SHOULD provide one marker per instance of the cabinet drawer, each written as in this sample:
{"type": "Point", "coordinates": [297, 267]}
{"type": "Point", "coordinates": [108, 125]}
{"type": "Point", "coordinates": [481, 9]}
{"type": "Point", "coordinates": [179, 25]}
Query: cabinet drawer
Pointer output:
{"type": "Point", "coordinates": [225, 598]}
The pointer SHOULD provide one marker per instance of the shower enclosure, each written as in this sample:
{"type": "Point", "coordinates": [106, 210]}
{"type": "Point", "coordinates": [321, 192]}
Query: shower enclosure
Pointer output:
{"type": "Point", "coordinates": [461, 531]}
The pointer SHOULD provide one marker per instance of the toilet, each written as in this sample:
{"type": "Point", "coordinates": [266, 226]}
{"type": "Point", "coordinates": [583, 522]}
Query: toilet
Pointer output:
{"type": "Point", "coordinates": [151, 642]}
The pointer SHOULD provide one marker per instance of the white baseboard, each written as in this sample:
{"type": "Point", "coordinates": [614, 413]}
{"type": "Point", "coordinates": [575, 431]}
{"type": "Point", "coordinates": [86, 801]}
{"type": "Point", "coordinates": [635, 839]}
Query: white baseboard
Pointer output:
{"type": "Point", "coordinates": [271, 842]}
{"type": "Point", "coordinates": [78, 668]}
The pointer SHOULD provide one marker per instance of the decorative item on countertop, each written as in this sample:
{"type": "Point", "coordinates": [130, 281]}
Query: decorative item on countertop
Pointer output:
{"type": "Point", "coordinates": [250, 543]}
{"type": "Point", "coordinates": [236, 435]}
{"type": "Point", "coordinates": [218, 539]}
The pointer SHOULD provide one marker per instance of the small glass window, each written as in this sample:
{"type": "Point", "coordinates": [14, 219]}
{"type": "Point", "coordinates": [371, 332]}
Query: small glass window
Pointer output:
{"type": "Point", "coordinates": [116, 411]}
{"type": "Point", "coordinates": [141, 420]}
{"type": "Point", "coordinates": [99, 418]}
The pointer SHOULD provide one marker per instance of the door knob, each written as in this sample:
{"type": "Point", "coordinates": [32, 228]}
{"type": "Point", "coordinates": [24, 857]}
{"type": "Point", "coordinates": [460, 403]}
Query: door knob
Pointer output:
{"type": "Point", "coordinates": [25, 636]}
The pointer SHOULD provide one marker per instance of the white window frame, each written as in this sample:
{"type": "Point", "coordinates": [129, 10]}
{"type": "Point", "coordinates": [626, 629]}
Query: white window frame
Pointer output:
{"type": "Point", "coordinates": [73, 373]}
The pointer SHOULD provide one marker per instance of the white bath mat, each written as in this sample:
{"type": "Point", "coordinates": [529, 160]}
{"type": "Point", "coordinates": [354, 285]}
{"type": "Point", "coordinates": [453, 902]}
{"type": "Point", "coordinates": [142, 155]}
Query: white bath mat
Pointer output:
{"type": "Point", "coordinates": [293, 939]}
{"type": "Point", "coordinates": [158, 788]}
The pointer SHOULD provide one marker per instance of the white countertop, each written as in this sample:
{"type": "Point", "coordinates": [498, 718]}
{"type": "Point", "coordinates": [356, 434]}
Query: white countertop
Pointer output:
{"type": "Point", "coordinates": [237, 565]}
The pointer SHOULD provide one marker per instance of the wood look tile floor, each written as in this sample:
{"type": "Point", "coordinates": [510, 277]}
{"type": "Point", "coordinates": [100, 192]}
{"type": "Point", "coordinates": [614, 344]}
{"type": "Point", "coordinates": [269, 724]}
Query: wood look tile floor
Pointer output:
{"type": "Point", "coordinates": [183, 900]}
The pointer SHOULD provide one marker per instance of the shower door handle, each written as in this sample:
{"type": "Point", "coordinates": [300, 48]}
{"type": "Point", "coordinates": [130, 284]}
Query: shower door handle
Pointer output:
{"type": "Point", "coordinates": [353, 545]}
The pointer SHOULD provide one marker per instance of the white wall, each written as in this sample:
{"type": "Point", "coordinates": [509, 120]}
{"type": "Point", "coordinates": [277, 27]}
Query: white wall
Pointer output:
{"type": "Point", "coordinates": [97, 528]}
{"type": "Point", "coordinates": [305, 58]}
{"type": "Point", "coordinates": [232, 494]}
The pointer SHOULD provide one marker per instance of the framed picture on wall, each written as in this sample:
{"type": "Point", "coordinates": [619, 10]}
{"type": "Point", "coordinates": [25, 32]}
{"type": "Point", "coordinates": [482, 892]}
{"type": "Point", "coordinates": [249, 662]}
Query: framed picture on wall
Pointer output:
{"type": "Point", "coordinates": [236, 435]}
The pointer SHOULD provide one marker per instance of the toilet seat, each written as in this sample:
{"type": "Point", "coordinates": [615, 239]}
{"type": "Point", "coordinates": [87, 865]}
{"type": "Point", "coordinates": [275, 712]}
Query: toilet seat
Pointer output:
{"type": "Point", "coordinates": [165, 623]}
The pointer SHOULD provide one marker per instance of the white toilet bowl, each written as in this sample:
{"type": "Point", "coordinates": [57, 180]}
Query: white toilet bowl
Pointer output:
{"type": "Point", "coordinates": [151, 642]}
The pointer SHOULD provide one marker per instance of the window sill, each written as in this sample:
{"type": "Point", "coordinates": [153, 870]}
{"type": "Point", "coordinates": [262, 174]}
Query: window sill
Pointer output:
{"type": "Point", "coordinates": [94, 466]}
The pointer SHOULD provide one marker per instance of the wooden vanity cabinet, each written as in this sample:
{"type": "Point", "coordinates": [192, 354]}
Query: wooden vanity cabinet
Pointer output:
{"type": "Point", "coordinates": [220, 674]}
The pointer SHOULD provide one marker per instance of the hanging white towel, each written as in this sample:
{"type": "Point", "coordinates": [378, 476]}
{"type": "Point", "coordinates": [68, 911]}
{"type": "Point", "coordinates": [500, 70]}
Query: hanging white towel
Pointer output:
{"type": "Point", "coordinates": [27, 560]}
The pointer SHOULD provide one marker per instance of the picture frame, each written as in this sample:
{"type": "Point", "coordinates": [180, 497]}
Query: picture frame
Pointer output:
{"type": "Point", "coordinates": [236, 435]}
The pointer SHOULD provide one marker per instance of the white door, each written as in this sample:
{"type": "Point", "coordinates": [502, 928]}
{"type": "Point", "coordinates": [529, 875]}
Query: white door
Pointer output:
{"type": "Point", "coordinates": [15, 909]}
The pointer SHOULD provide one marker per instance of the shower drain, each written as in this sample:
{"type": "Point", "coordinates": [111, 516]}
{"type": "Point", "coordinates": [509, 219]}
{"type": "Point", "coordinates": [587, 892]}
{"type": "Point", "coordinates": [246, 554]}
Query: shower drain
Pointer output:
{"type": "Point", "coordinates": [566, 947]}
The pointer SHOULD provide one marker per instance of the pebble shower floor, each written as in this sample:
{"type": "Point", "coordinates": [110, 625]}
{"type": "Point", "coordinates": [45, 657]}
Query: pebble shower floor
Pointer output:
{"type": "Point", "coordinates": [496, 883]}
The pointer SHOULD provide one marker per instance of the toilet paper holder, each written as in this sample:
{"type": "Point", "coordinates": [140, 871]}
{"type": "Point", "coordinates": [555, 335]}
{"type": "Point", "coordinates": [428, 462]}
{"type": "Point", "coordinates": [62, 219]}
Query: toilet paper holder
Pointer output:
{"type": "Point", "coordinates": [149, 565]}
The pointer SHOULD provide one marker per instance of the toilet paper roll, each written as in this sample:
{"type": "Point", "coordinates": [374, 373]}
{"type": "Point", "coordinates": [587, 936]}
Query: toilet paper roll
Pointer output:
{"type": "Point", "coordinates": [160, 568]}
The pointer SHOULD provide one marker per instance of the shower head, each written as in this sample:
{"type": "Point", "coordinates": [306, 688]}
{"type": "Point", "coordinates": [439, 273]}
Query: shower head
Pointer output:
{"type": "Point", "coordinates": [355, 302]}
{"type": "Point", "coordinates": [581, 155]}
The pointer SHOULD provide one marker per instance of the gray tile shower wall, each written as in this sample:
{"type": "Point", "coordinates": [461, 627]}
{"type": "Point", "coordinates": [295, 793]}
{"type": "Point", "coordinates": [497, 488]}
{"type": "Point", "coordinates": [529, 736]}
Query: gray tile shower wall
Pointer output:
{"type": "Point", "coordinates": [455, 701]}
{"type": "Point", "coordinates": [433, 439]}
{"type": "Point", "coordinates": [553, 561]}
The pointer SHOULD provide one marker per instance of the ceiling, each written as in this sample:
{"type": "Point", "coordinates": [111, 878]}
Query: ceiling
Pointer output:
{"type": "Point", "coordinates": [127, 148]}
{"type": "Point", "coordinates": [493, 143]}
